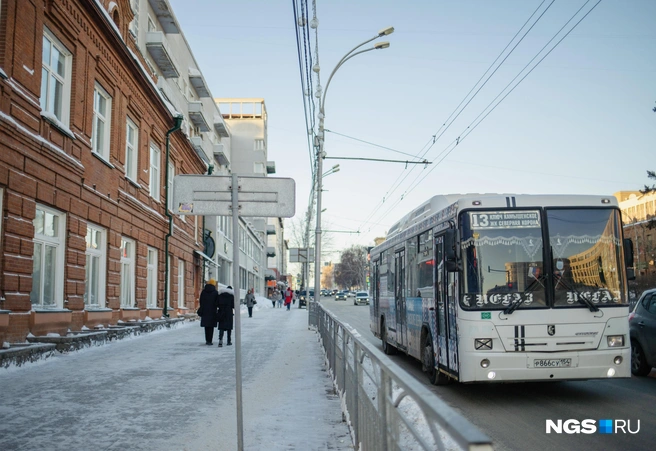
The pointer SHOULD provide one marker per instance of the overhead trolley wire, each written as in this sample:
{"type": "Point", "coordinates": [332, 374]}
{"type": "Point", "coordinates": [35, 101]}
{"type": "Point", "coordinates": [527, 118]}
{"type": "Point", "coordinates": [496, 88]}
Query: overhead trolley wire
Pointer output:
{"type": "Point", "coordinates": [476, 122]}
{"type": "Point", "coordinates": [440, 132]}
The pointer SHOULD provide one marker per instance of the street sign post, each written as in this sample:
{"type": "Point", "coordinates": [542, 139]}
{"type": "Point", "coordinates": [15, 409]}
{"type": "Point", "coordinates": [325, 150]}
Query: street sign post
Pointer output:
{"type": "Point", "coordinates": [211, 195]}
{"type": "Point", "coordinates": [301, 254]}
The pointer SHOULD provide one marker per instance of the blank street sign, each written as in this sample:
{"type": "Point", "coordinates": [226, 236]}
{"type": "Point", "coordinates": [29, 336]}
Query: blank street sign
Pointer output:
{"type": "Point", "coordinates": [212, 195]}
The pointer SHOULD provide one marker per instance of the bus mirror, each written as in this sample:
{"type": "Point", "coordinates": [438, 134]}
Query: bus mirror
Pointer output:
{"type": "Point", "coordinates": [630, 274]}
{"type": "Point", "coordinates": [628, 252]}
{"type": "Point", "coordinates": [450, 246]}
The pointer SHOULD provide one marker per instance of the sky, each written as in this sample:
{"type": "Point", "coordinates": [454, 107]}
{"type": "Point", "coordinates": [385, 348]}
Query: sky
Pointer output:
{"type": "Point", "coordinates": [580, 123]}
{"type": "Point", "coordinates": [167, 390]}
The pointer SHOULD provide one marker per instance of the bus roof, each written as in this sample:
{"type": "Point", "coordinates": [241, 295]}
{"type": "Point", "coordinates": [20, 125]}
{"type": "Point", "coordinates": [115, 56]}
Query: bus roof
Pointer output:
{"type": "Point", "coordinates": [458, 202]}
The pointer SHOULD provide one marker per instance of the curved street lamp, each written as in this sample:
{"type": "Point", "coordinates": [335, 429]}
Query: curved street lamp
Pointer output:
{"type": "Point", "coordinates": [321, 154]}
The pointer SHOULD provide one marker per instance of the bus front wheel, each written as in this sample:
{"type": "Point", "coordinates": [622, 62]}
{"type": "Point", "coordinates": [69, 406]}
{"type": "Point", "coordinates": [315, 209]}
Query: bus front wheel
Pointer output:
{"type": "Point", "coordinates": [435, 377]}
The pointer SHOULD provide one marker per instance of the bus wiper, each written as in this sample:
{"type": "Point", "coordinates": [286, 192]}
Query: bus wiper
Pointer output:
{"type": "Point", "coordinates": [580, 297]}
{"type": "Point", "coordinates": [513, 306]}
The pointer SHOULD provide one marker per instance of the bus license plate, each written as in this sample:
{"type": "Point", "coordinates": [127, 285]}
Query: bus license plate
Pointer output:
{"type": "Point", "coordinates": [552, 363]}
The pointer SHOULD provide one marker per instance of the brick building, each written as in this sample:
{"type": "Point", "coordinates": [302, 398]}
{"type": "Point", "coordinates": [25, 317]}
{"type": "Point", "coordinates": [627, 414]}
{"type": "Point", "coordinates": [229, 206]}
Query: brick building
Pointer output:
{"type": "Point", "coordinates": [87, 141]}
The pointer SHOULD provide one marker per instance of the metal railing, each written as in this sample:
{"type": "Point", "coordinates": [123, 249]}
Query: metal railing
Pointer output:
{"type": "Point", "coordinates": [386, 407]}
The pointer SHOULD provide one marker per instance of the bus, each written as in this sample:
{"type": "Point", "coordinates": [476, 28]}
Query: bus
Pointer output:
{"type": "Point", "coordinates": [505, 288]}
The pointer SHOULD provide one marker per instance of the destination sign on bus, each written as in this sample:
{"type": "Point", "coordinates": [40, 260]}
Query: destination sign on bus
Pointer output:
{"type": "Point", "coordinates": [505, 220]}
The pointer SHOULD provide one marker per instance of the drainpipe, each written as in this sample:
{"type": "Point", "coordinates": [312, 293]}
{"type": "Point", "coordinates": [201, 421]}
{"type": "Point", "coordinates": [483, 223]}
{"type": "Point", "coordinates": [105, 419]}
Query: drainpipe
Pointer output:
{"type": "Point", "coordinates": [176, 126]}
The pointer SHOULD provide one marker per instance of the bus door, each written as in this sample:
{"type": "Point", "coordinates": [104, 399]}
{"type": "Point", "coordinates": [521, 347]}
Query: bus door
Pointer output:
{"type": "Point", "coordinates": [446, 306]}
{"type": "Point", "coordinates": [375, 298]}
{"type": "Point", "coordinates": [399, 297]}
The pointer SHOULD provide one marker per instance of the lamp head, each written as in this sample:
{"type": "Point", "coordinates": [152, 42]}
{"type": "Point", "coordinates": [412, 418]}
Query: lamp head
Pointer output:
{"type": "Point", "coordinates": [386, 31]}
{"type": "Point", "coordinates": [381, 45]}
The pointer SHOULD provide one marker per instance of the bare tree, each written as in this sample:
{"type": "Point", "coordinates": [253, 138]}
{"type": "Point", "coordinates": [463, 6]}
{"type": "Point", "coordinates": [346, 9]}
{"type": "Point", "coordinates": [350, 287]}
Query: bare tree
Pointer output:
{"type": "Point", "coordinates": [350, 272]}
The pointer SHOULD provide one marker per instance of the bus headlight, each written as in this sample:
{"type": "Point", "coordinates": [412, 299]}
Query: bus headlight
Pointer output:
{"type": "Point", "coordinates": [615, 341]}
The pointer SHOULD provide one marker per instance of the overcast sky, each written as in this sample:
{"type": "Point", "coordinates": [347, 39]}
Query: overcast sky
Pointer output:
{"type": "Point", "coordinates": [581, 122]}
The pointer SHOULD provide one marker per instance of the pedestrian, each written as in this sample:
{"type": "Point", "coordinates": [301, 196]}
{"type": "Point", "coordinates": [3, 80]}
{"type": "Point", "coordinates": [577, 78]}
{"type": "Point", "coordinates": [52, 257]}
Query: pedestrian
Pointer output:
{"type": "Point", "coordinates": [279, 298]}
{"type": "Point", "coordinates": [209, 303]}
{"type": "Point", "coordinates": [226, 312]}
{"type": "Point", "coordinates": [289, 294]}
{"type": "Point", "coordinates": [272, 296]}
{"type": "Point", "coordinates": [250, 302]}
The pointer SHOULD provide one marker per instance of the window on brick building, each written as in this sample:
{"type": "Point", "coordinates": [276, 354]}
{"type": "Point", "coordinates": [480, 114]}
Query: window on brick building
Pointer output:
{"type": "Point", "coordinates": [55, 78]}
{"type": "Point", "coordinates": [154, 171]}
{"type": "Point", "coordinates": [151, 278]}
{"type": "Point", "coordinates": [169, 186]}
{"type": "Point", "coordinates": [134, 25]}
{"type": "Point", "coordinates": [127, 272]}
{"type": "Point", "coordinates": [48, 258]}
{"type": "Point", "coordinates": [102, 111]}
{"type": "Point", "coordinates": [131, 150]}
{"type": "Point", "coordinates": [96, 257]}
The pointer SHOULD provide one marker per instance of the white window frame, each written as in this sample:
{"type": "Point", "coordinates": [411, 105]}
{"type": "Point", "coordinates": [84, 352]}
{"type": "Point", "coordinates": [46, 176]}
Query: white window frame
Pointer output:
{"type": "Point", "coordinates": [96, 258]}
{"type": "Point", "coordinates": [258, 168]}
{"type": "Point", "coordinates": [49, 76]}
{"type": "Point", "coordinates": [57, 242]}
{"type": "Point", "coordinates": [127, 273]}
{"type": "Point", "coordinates": [102, 121]}
{"type": "Point", "coordinates": [155, 161]}
{"type": "Point", "coordinates": [131, 150]}
{"type": "Point", "coordinates": [169, 186]}
{"type": "Point", "coordinates": [181, 283]}
{"type": "Point", "coordinates": [258, 144]}
{"type": "Point", "coordinates": [151, 277]}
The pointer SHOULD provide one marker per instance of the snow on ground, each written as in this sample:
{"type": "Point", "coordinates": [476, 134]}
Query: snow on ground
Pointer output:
{"type": "Point", "coordinates": [168, 390]}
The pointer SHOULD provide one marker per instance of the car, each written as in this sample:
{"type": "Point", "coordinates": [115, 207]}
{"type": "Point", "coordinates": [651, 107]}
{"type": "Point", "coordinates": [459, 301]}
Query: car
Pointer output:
{"type": "Point", "coordinates": [303, 298]}
{"type": "Point", "coordinates": [340, 296]}
{"type": "Point", "coordinates": [350, 294]}
{"type": "Point", "coordinates": [642, 328]}
{"type": "Point", "coordinates": [361, 297]}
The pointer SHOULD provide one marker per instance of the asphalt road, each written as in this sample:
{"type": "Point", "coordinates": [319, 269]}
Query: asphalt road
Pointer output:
{"type": "Point", "coordinates": [514, 415]}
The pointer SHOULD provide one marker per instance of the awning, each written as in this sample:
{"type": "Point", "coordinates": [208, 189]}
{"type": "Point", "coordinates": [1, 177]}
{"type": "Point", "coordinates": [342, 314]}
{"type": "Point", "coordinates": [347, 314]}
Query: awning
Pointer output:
{"type": "Point", "coordinates": [207, 258]}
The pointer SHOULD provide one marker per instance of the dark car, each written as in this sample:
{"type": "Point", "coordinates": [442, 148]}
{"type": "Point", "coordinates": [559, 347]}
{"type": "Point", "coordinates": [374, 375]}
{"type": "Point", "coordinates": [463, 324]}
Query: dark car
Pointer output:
{"type": "Point", "coordinates": [642, 324]}
{"type": "Point", "coordinates": [303, 298]}
{"type": "Point", "coordinates": [340, 296]}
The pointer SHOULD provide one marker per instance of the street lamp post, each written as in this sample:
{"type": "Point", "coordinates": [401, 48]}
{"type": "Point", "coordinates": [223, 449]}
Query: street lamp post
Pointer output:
{"type": "Point", "coordinates": [321, 154]}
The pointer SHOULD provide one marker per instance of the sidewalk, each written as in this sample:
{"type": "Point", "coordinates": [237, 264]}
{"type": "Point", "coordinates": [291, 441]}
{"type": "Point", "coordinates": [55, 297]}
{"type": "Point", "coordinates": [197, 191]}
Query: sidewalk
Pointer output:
{"type": "Point", "coordinates": [167, 390]}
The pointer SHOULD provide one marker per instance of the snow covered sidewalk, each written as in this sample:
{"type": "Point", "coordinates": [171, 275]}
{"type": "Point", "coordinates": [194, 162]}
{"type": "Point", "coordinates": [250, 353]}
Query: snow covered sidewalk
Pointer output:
{"type": "Point", "coordinates": [168, 390]}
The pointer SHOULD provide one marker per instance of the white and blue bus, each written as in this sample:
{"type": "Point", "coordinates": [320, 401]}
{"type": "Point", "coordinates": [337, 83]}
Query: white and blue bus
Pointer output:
{"type": "Point", "coordinates": [505, 287]}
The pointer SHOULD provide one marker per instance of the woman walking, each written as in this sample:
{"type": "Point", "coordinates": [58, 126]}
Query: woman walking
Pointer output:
{"type": "Point", "coordinates": [250, 302]}
{"type": "Point", "coordinates": [209, 302]}
{"type": "Point", "coordinates": [226, 309]}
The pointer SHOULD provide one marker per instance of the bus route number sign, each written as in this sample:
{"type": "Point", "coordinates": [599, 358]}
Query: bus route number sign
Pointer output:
{"type": "Point", "coordinates": [505, 220]}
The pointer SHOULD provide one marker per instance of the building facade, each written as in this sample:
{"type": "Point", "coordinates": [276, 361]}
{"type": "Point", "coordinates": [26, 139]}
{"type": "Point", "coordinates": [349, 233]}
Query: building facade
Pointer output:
{"type": "Point", "coordinates": [102, 105]}
{"type": "Point", "coordinates": [637, 212]}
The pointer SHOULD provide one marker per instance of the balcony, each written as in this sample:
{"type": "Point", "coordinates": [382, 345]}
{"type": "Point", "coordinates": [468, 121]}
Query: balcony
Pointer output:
{"type": "Point", "coordinates": [221, 127]}
{"type": "Point", "coordinates": [198, 82]}
{"type": "Point", "coordinates": [195, 110]}
{"type": "Point", "coordinates": [270, 167]}
{"type": "Point", "coordinates": [159, 51]}
{"type": "Point", "coordinates": [271, 229]}
{"type": "Point", "coordinates": [197, 144]}
{"type": "Point", "coordinates": [271, 251]}
{"type": "Point", "coordinates": [164, 16]}
{"type": "Point", "coordinates": [220, 155]}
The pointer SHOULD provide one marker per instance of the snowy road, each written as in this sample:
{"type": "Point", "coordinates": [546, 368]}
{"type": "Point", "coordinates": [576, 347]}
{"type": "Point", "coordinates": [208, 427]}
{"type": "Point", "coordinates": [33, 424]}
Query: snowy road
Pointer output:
{"type": "Point", "coordinates": [167, 390]}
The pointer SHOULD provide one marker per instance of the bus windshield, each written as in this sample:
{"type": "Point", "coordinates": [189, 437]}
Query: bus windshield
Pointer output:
{"type": "Point", "coordinates": [587, 265]}
{"type": "Point", "coordinates": [502, 255]}
{"type": "Point", "coordinates": [503, 251]}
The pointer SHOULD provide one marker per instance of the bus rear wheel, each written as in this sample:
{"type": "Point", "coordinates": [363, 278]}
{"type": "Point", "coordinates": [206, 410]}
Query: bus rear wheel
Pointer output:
{"type": "Point", "coordinates": [435, 377]}
{"type": "Point", "coordinates": [387, 348]}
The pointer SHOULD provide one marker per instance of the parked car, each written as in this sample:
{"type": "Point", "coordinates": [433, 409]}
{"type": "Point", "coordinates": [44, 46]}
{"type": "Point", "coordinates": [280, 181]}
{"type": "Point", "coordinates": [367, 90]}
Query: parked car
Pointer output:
{"type": "Point", "coordinates": [350, 294]}
{"type": "Point", "coordinates": [340, 296]}
{"type": "Point", "coordinates": [361, 297]}
{"type": "Point", "coordinates": [642, 324]}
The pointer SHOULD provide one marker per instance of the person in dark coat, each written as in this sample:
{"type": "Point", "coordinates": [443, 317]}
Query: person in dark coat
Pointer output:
{"type": "Point", "coordinates": [226, 312]}
{"type": "Point", "coordinates": [209, 303]}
